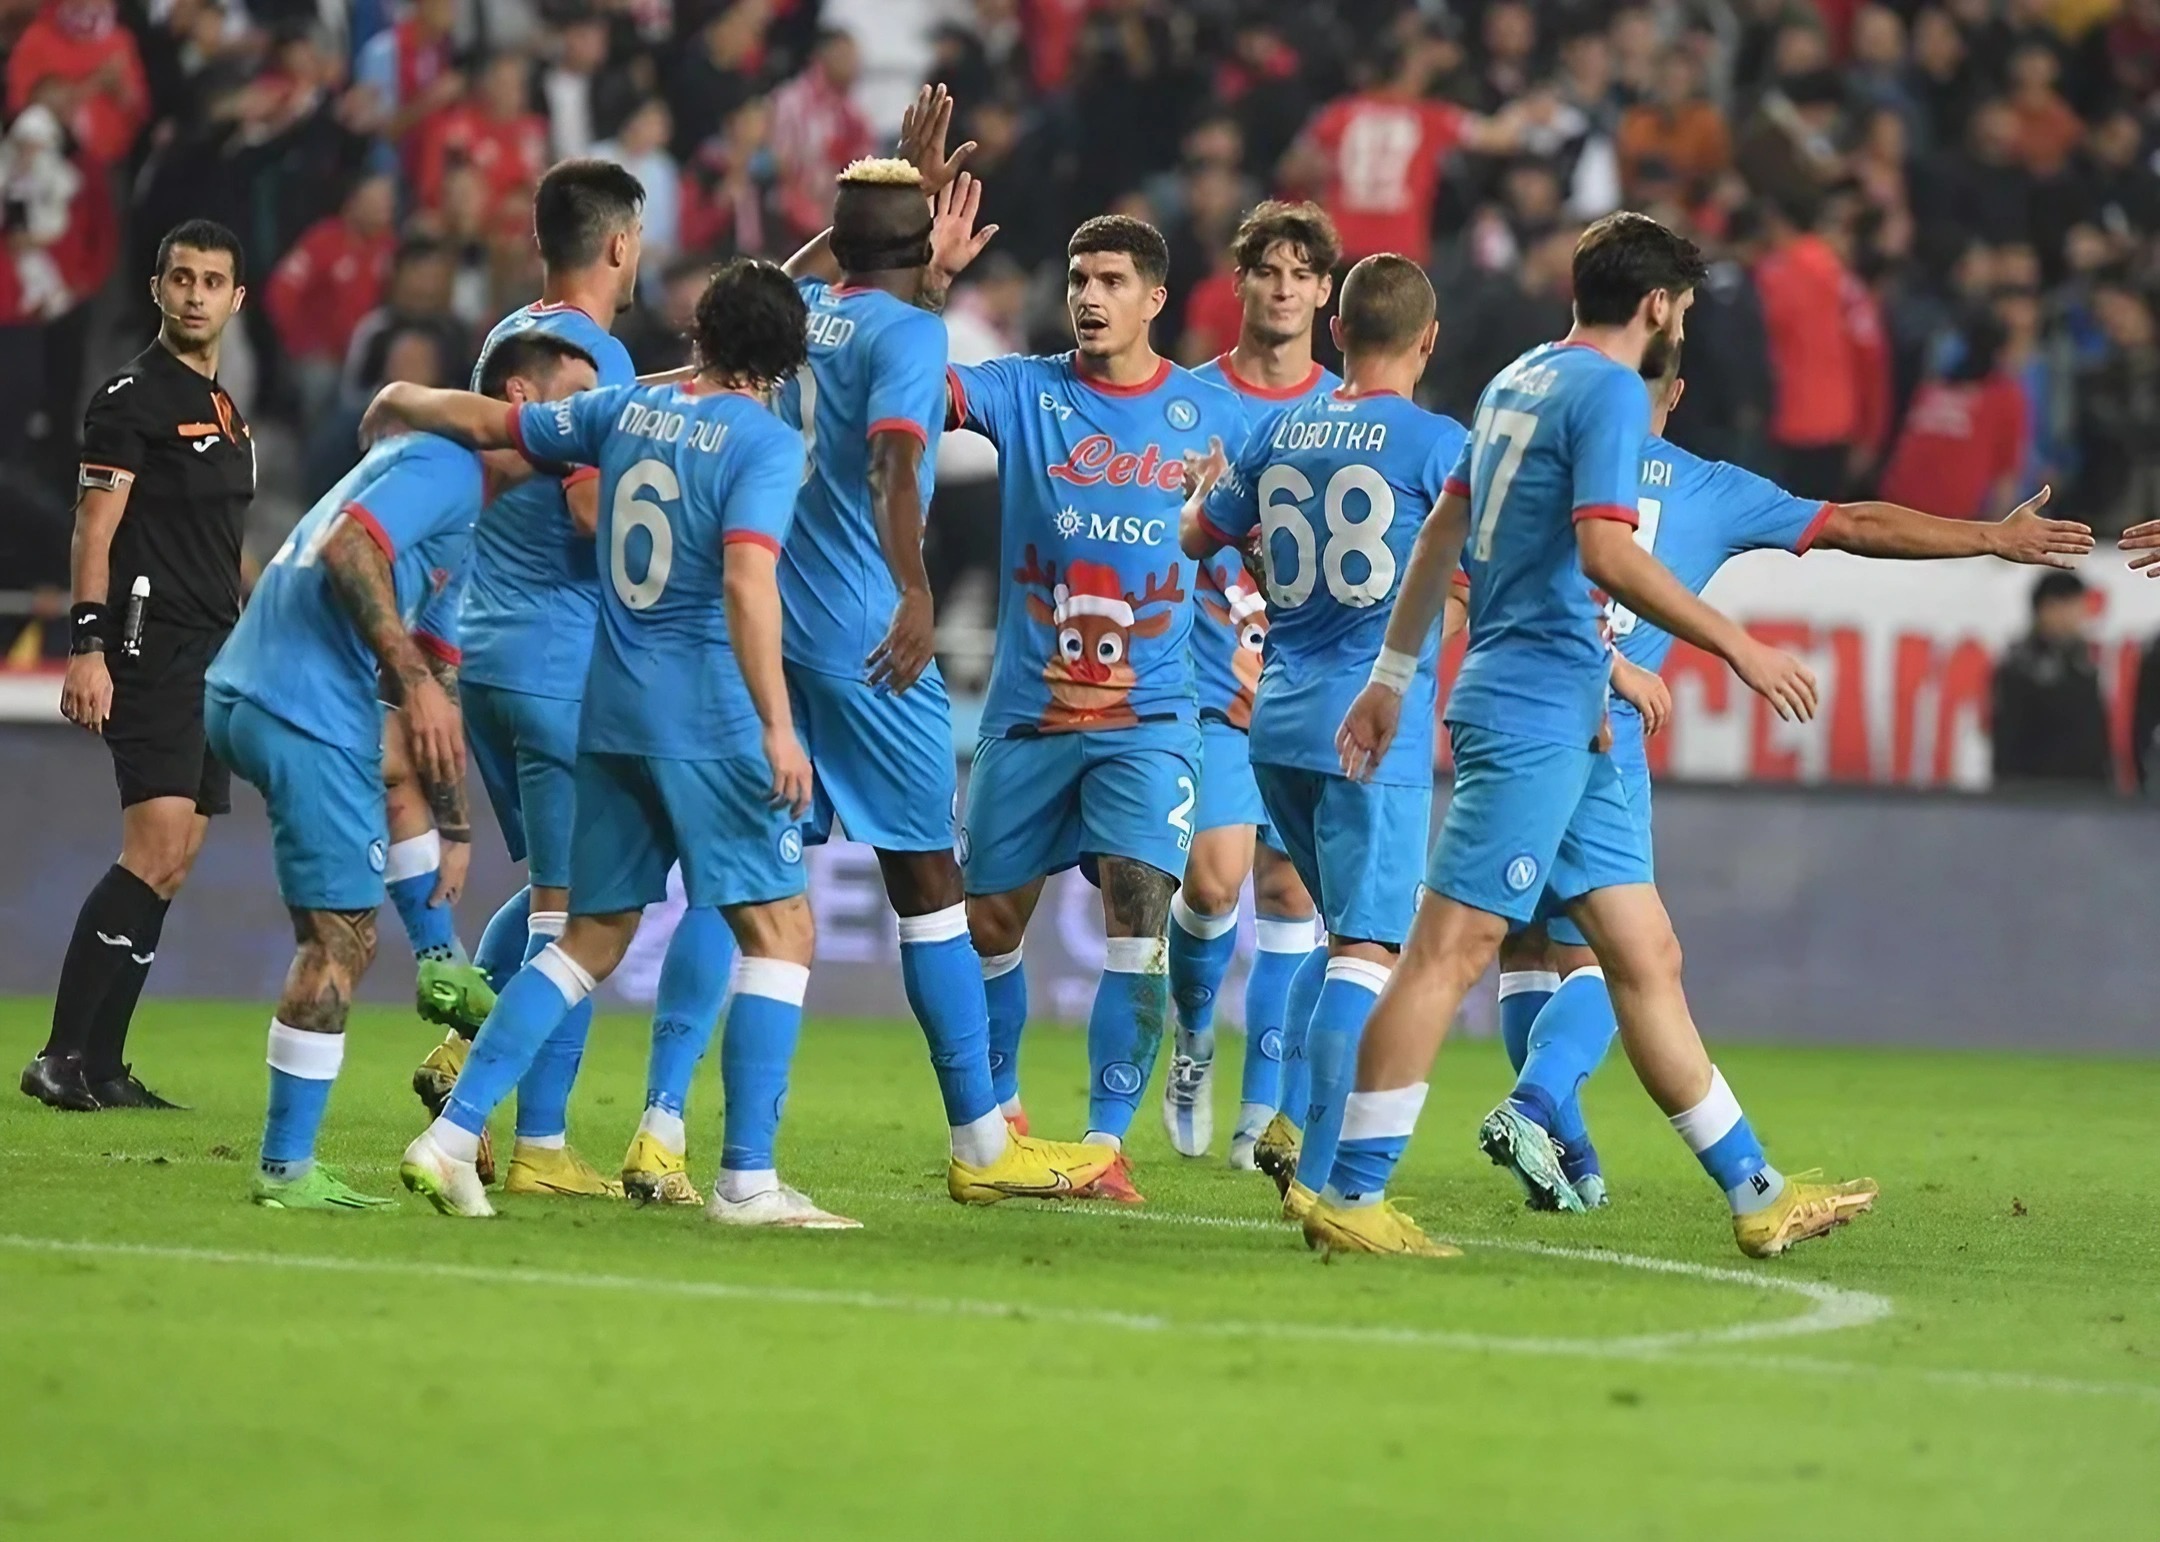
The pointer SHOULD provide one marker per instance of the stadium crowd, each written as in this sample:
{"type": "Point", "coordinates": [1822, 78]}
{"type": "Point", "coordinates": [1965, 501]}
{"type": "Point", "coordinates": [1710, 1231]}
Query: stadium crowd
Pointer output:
{"type": "Point", "coordinates": [1932, 226]}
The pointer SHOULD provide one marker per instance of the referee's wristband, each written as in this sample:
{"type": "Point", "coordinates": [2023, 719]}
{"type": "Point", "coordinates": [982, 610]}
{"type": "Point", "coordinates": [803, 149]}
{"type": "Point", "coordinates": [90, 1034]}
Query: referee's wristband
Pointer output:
{"type": "Point", "coordinates": [89, 627]}
{"type": "Point", "coordinates": [1394, 670]}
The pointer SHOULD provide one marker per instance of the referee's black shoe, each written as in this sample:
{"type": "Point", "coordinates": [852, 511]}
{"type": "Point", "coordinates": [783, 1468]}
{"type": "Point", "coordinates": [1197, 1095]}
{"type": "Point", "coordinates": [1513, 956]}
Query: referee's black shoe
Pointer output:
{"type": "Point", "coordinates": [58, 1081]}
{"type": "Point", "coordinates": [127, 1091]}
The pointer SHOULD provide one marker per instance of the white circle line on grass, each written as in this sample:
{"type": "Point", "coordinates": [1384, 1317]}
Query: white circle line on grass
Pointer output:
{"type": "Point", "coordinates": [1831, 1308]}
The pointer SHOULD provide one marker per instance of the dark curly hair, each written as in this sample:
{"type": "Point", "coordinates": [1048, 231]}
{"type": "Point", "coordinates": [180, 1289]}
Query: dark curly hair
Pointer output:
{"type": "Point", "coordinates": [750, 321]}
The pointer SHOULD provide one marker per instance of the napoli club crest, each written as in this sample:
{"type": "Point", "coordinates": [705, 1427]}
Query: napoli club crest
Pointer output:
{"type": "Point", "coordinates": [377, 855]}
{"type": "Point", "coordinates": [791, 845]}
{"type": "Point", "coordinates": [1183, 415]}
{"type": "Point", "coordinates": [1521, 873]}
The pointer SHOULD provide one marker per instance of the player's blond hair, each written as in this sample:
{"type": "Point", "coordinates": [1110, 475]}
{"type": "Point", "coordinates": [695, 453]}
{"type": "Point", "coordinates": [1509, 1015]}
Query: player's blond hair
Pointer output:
{"type": "Point", "coordinates": [880, 171]}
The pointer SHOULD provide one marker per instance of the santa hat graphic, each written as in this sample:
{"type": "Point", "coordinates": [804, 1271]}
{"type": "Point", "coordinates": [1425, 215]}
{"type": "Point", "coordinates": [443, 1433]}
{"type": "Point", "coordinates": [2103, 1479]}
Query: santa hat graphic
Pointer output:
{"type": "Point", "coordinates": [1092, 589]}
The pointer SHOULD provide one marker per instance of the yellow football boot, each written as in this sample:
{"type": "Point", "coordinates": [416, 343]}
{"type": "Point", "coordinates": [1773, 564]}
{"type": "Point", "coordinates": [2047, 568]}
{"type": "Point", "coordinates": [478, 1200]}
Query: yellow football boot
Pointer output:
{"type": "Point", "coordinates": [654, 1175]}
{"type": "Point", "coordinates": [1029, 1169]}
{"type": "Point", "coordinates": [439, 1072]}
{"type": "Point", "coordinates": [1297, 1201]}
{"type": "Point", "coordinates": [1806, 1209]}
{"type": "Point", "coordinates": [1380, 1228]}
{"type": "Point", "coordinates": [556, 1170]}
{"type": "Point", "coordinates": [1276, 1151]}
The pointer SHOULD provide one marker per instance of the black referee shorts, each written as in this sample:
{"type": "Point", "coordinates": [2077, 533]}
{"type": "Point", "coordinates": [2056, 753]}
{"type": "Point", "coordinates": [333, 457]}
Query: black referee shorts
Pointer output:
{"type": "Point", "coordinates": [155, 732]}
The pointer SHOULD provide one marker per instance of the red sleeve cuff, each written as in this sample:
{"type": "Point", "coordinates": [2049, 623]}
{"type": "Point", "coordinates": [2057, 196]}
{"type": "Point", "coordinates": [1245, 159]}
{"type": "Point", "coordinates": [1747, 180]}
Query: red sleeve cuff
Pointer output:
{"type": "Point", "coordinates": [751, 538]}
{"type": "Point", "coordinates": [1622, 513]}
{"type": "Point", "coordinates": [956, 407]}
{"type": "Point", "coordinates": [1456, 487]}
{"type": "Point", "coordinates": [1461, 581]}
{"type": "Point", "coordinates": [428, 642]}
{"type": "Point", "coordinates": [516, 431]}
{"type": "Point", "coordinates": [373, 527]}
{"type": "Point", "coordinates": [906, 426]}
{"type": "Point", "coordinates": [579, 474]}
{"type": "Point", "coordinates": [1815, 528]}
{"type": "Point", "coordinates": [1214, 532]}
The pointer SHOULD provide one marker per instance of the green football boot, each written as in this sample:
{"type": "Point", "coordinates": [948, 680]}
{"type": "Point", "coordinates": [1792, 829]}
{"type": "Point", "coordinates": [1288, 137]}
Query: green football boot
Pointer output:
{"type": "Point", "coordinates": [454, 995]}
{"type": "Point", "coordinates": [319, 1188]}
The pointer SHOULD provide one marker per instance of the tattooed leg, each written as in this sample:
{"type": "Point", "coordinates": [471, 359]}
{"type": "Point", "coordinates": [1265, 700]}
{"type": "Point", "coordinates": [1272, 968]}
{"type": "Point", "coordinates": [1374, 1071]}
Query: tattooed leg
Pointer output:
{"type": "Point", "coordinates": [1132, 1003]}
{"type": "Point", "coordinates": [307, 1046]}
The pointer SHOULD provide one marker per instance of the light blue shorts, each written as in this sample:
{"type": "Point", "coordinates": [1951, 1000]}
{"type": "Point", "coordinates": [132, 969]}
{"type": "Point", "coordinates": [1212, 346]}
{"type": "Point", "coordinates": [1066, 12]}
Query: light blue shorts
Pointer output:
{"type": "Point", "coordinates": [1041, 803]}
{"type": "Point", "coordinates": [1228, 793]}
{"type": "Point", "coordinates": [1633, 764]}
{"type": "Point", "coordinates": [526, 750]}
{"type": "Point", "coordinates": [883, 763]}
{"type": "Point", "coordinates": [638, 815]}
{"type": "Point", "coordinates": [328, 834]}
{"type": "Point", "coordinates": [1527, 815]}
{"type": "Point", "coordinates": [1359, 847]}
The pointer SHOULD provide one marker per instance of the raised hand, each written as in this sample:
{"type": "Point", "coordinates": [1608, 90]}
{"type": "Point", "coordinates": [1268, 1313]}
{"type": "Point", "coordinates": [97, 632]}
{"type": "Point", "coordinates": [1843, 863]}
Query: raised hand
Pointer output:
{"type": "Point", "coordinates": [923, 129]}
{"type": "Point", "coordinates": [2025, 536]}
{"type": "Point", "coordinates": [954, 240]}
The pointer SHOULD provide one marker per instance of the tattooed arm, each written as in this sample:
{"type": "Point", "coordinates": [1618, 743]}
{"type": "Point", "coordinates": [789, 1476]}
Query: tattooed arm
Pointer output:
{"type": "Point", "coordinates": [446, 799]}
{"type": "Point", "coordinates": [359, 574]}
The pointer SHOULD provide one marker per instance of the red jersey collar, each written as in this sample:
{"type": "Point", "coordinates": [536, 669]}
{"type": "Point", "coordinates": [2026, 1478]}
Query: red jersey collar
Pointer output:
{"type": "Point", "coordinates": [1244, 387]}
{"type": "Point", "coordinates": [1162, 373]}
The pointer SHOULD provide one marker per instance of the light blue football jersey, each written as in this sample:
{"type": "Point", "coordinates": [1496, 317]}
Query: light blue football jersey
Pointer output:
{"type": "Point", "coordinates": [1230, 622]}
{"type": "Point", "coordinates": [1340, 486]}
{"type": "Point", "coordinates": [534, 592]}
{"type": "Point", "coordinates": [1557, 439]}
{"type": "Point", "coordinates": [1094, 592]}
{"type": "Point", "coordinates": [877, 364]}
{"type": "Point", "coordinates": [295, 653]}
{"type": "Point", "coordinates": [683, 475]}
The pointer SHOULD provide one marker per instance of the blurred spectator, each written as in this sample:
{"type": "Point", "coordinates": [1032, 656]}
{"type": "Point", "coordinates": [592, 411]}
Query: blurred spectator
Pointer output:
{"type": "Point", "coordinates": [642, 148]}
{"type": "Point", "coordinates": [92, 73]}
{"type": "Point", "coordinates": [1373, 159]}
{"type": "Point", "coordinates": [411, 351]}
{"type": "Point", "coordinates": [1725, 410]}
{"type": "Point", "coordinates": [2047, 130]}
{"type": "Point", "coordinates": [1676, 144]}
{"type": "Point", "coordinates": [1965, 438]}
{"type": "Point", "coordinates": [408, 69]}
{"type": "Point", "coordinates": [1022, 183]}
{"type": "Point", "coordinates": [416, 300]}
{"type": "Point", "coordinates": [332, 277]}
{"type": "Point", "coordinates": [716, 75]}
{"type": "Point", "coordinates": [1983, 189]}
{"type": "Point", "coordinates": [816, 130]}
{"type": "Point", "coordinates": [985, 319]}
{"type": "Point", "coordinates": [1134, 84]}
{"type": "Point", "coordinates": [1520, 303]}
{"type": "Point", "coordinates": [658, 335]}
{"type": "Point", "coordinates": [730, 192]}
{"type": "Point", "coordinates": [494, 131]}
{"type": "Point", "coordinates": [2118, 414]}
{"type": "Point", "coordinates": [2049, 723]}
{"type": "Point", "coordinates": [1814, 371]}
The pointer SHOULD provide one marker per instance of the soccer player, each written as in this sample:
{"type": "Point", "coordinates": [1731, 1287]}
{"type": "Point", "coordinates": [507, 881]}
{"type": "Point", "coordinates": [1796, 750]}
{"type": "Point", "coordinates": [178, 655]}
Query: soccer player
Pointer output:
{"type": "Point", "coordinates": [1090, 753]}
{"type": "Point", "coordinates": [1556, 1012]}
{"type": "Point", "coordinates": [355, 593]}
{"type": "Point", "coordinates": [866, 693]}
{"type": "Point", "coordinates": [1284, 255]}
{"type": "Point", "coordinates": [528, 625]}
{"type": "Point", "coordinates": [686, 746]}
{"type": "Point", "coordinates": [1545, 493]}
{"type": "Point", "coordinates": [1342, 482]}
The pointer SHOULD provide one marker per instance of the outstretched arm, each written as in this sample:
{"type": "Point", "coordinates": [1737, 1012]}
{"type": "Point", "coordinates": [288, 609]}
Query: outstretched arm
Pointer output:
{"type": "Point", "coordinates": [359, 573]}
{"type": "Point", "coordinates": [482, 422]}
{"type": "Point", "coordinates": [1892, 530]}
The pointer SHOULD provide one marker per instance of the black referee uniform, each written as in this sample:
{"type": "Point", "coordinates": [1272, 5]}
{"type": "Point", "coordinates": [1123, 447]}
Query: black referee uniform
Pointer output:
{"type": "Point", "coordinates": [173, 438]}
{"type": "Point", "coordinates": [193, 461]}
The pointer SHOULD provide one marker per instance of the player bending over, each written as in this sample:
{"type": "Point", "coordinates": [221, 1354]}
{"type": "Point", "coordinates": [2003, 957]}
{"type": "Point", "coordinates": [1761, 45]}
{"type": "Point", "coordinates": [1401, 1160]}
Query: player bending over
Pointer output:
{"type": "Point", "coordinates": [1545, 494]}
{"type": "Point", "coordinates": [686, 747]}
{"type": "Point", "coordinates": [1342, 481]}
{"type": "Point", "coordinates": [528, 626]}
{"type": "Point", "coordinates": [867, 696]}
{"type": "Point", "coordinates": [1090, 753]}
{"type": "Point", "coordinates": [1283, 256]}
{"type": "Point", "coordinates": [1556, 1012]}
{"type": "Point", "coordinates": [291, 705]}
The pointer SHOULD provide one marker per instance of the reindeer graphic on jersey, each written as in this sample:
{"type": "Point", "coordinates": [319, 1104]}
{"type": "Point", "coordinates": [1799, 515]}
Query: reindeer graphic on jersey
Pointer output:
{"type": "Point", "coordinates": [1090, 672]}
{"type": "Point", "coordinates": [1227, 594]}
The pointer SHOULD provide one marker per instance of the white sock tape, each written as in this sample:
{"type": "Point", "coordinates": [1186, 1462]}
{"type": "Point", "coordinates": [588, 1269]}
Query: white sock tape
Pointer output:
{"type": "Point", "coordinates": [409, 859]}
{"type": "Point", "coordinates": [1516, 982]}
{"type": "Point", "coordinates": [1711, 1120]}
{"type": "Point", "coordinates": [996, 964]}
{"type": "Point", "coordinates": [1373, 1115]}
{"type": "Point", "coordinates": [1194, 924]}
{"type": "Point", "coordinates": [938, 926]}
{"type": "Point", "coordinates": [773, 978]}
{"type": "Point", "coordinates": [547, 923]}
{"type": "Point", "coordinates": [567, 973]}
{"type": "Point", "coordinates": [1272, 934]}
{"type": "Point", "coordinates": [1136, 955]}
{"type": "Point", "coordinates": [313, 1057]}
{"type": "Point", "coordinates": [1361, 972]}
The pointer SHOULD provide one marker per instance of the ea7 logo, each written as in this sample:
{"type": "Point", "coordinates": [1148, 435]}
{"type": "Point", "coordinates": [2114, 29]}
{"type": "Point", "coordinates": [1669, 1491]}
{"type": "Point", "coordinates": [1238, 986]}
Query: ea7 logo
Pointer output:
{"type": "Point", "coordinates": [1053, 406]}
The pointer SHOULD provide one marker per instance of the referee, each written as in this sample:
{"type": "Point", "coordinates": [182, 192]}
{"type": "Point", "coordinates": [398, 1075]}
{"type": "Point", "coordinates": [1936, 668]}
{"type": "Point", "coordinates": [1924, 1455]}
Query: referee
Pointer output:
{"type": "Point", "coordinates": [168, 470]}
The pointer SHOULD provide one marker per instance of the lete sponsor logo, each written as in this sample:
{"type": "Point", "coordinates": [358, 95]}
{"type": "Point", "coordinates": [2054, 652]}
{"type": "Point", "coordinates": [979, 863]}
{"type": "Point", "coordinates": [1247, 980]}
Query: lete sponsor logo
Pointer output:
{"type": "Point", "coordinates": [1096, 460]}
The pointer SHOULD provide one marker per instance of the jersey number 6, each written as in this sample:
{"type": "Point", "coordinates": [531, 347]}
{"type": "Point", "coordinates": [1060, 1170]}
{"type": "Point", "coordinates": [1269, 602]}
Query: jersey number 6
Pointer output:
{"type": "Point", "coordinates": [633, 512]}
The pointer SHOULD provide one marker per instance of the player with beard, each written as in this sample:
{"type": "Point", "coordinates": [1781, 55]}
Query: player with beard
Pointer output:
{"type": "Point", "coordinates": [1543, 501]}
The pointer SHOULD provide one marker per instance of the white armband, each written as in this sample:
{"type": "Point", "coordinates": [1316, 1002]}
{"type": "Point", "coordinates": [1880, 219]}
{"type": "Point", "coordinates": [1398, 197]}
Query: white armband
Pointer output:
{"type": "Point", "coordinates": [1394, 670]}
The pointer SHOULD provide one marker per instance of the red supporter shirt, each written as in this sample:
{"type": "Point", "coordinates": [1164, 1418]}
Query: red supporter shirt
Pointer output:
{"type": "Point", "coordinates": [1811, 345]}
{"type": "Point", "coordinates": [330, 279]}
{"type": "Point", "coordinates": [1214, 315]}
{"type": "Point", "coordinates": [72, 43]}
{"type": "Point", "coordinates": [1960, 439]}
{"type": "Point", "coordinates": [1384, 158]}
{"type": "Point", "coordinates": [510, 154]}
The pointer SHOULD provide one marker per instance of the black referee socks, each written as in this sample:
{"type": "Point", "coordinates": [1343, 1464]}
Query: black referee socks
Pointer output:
{"type": "Point", "coordinates": [116, 937]}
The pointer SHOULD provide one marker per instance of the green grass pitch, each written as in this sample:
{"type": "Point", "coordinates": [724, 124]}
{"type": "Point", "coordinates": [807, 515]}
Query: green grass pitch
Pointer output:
{"type": "Point", "coordinates": [1981, 1358]}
